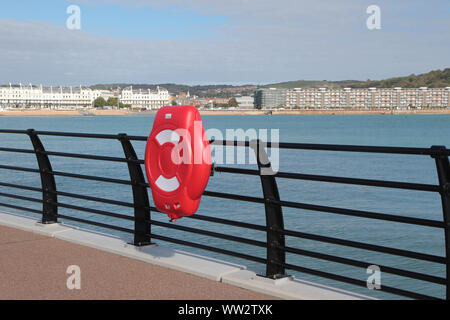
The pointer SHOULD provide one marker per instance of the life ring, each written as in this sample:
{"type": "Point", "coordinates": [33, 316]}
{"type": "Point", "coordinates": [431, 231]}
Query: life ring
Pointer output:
{"type": "Point", "coordinates": [177, 160]}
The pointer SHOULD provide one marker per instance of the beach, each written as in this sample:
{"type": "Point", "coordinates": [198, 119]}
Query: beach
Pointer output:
{"type": "Point", "coordinates": [52, 113]}
{"type": "Point", "coordinates": [121, 112]}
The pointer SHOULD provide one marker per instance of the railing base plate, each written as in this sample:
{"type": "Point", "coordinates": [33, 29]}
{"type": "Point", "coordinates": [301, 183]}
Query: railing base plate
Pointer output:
{"type": "Point", "coordinates": [141, 244]}
{"type": "Point", "coordinates": [47, 222]}
{"type": "Point", "coordinates": [274, 277]}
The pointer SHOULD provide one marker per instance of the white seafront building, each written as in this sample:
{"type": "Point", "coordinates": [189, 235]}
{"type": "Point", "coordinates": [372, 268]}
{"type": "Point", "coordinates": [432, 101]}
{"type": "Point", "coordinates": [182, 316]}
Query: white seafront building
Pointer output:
{"type": "Point", "coordinates": [245, 102]}
{"type": "Point", "coordinates": [147, 98]}
{"type": "Point", "coordinates": [61, 98]}
{"type": "Point", "coordinates": [19, 96]}
{"type": "Point", "coordinates": [370, 98]}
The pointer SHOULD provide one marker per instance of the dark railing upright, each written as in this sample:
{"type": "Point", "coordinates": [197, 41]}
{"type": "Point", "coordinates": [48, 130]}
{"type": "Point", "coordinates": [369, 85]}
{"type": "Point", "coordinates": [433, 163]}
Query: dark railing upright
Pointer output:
{"type": "Point", "coordinates": [49, 197]}
{"type": "Point", "coordinates": [274, 214]}
{"type": "Point", "coordinates": [443, 171]}
{"type": "Point", "coordinates": [275, 246]}
{"type": "Point", "coordinates": [142, 227]}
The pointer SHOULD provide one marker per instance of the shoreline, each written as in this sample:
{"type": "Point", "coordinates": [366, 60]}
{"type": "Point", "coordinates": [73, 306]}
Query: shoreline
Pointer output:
{"type": "Point", "coordinates": [93, 112]}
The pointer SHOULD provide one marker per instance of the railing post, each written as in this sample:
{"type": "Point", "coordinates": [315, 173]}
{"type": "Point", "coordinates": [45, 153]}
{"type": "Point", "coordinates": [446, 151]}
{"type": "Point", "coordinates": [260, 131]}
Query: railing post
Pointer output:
{"type": "Point", "coordinates": [274, 215]}
{"type": "Point", "coordinates": [49, 198]}
{"type": "Point", "coordinates": [142, 227]}
{"type": "Point", "coordinates": [443, 171]}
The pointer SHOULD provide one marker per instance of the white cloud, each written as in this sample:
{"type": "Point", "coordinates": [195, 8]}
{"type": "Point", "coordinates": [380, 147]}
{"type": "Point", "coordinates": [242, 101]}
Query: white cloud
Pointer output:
{"type": "Point", "coordinates": [263, 41]}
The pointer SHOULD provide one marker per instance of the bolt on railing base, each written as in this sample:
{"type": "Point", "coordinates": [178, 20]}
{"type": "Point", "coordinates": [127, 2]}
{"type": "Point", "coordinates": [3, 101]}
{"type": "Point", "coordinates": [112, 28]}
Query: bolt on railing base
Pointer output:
{"type": "Point", "coordinates": [47, 222]}
{"type": "Point", "coordinates": [141, 244]}
{"type": "Point", "coordinates": [274, 276]}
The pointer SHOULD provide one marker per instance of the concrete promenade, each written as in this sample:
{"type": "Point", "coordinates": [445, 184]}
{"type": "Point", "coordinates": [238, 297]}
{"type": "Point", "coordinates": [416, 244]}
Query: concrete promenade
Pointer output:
{"type": "Point", "coordinates": [35, 260]}
{"type": "Point", "coordinates": [34, 266]}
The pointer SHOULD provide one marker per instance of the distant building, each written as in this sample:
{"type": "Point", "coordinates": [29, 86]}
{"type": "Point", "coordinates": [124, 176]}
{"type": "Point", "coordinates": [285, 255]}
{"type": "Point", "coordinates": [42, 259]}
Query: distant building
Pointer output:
{"type": "Point", "coordinates": [106, 94]}
{"type": "Point", "coordinates": [147, 99]}
{"type": "Point", "coordinates": [19, 96]}
{"type": "Point", "coordinates": [379, 98]}
{"type": "Point", "coordinates": [201, 102]}
{"type": "Point", "coordinates": [245, 102]}
{"type": "Point", "coordinates": [58, 97]}
{"type": "Point", "coordinates": [268, 98]}
{"type": "Point", "coordinates": [220, 100]}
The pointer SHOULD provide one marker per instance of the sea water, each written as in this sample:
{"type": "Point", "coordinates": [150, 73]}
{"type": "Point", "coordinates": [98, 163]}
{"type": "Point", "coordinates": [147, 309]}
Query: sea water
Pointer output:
{"type": "Point", "coordinates": [377, 130]}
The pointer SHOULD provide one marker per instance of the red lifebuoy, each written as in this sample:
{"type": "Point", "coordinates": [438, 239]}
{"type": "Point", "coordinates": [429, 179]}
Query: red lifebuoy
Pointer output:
{"type": "Point", "coordinates": [177, 160]}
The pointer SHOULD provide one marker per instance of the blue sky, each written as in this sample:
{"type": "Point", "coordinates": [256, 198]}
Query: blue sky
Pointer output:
{"type": "Point", "coordinates": [119, 19]}
{"type": "Point", "coordinates": [208, 41]}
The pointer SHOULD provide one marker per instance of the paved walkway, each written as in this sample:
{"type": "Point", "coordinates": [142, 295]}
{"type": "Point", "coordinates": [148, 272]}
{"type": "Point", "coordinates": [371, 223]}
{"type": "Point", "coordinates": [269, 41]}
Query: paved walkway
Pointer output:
{"type": "Point", "coordinates": [34, 267]}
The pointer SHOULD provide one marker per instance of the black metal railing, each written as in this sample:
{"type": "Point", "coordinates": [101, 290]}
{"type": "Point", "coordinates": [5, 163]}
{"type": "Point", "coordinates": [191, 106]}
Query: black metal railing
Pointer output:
{"type": "Point", "coordinates": [275, 245]}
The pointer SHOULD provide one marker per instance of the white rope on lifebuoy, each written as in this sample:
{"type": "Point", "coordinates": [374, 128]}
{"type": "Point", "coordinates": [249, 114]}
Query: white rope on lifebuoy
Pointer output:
{"type": "Point", "coordinates": [162, 182]}
{"type": "Point", "coordinates": [167, 136]}
{"type": "Point", "coordinates": [167, 185]}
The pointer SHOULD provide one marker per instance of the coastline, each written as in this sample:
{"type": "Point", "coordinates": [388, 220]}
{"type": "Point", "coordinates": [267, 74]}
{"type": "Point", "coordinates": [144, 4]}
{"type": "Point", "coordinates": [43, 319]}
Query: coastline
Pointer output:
{"type": "Point", "coordinates": [94, 112]}
{"type": "Point", "coordinates": [67, 113]}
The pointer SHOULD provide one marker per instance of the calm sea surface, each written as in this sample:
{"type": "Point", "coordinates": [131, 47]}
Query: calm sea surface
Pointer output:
{"type": "Point", "coordinates": [388, 130]}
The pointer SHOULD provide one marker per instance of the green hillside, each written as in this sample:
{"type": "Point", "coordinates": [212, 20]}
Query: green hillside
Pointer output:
{"type": "Point", "coordinates": [313, 84]}
{"type": "Point", "coordinates": [432, 79]}
{"type": "Point", "coordinates": [199, 90]}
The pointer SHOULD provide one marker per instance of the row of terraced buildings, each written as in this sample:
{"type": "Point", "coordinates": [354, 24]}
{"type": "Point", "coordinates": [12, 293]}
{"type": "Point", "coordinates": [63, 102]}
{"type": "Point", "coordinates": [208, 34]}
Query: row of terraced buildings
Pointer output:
{"type": "Point", "coordinates": [29, 96]}
{"type": "Point", "coordinates": [370, 98]}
